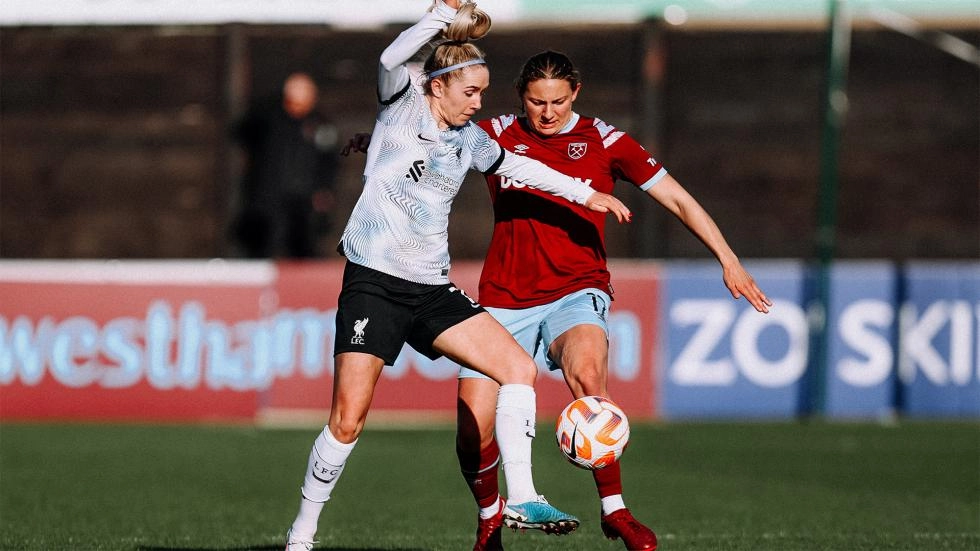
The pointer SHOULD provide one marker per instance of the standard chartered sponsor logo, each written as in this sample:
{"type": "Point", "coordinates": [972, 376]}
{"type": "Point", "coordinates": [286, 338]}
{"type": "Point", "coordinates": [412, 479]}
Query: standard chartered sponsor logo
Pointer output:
{"type": "Point", "coordinates": [441, 182]}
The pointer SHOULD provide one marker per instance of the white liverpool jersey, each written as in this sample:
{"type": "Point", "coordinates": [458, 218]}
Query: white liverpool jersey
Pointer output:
{"type": "Point", "coordinates": [400, 223]}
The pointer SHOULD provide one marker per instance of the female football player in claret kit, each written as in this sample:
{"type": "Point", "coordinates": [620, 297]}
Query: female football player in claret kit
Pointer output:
{"type": "Point", "coordinates": [396, 286]}
{"type": "Point", "coordinates": [545, 277]}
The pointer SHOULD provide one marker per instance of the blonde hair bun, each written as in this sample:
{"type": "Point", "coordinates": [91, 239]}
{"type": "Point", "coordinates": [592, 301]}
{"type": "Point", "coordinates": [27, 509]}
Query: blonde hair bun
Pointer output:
{"type": "Point", "coordinates": [471, 23]}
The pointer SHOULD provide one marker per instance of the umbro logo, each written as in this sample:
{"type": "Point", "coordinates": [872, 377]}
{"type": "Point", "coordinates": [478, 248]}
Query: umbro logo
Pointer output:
{"type": "Point", "coordinates": [521, 149]}
{"type": "Point", "coordinates": [416, 171]}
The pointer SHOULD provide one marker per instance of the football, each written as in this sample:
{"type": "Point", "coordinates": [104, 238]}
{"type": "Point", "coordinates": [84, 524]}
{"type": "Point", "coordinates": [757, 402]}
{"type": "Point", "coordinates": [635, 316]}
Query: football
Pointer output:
{"type": "Point", "coordinates": [592, 432]}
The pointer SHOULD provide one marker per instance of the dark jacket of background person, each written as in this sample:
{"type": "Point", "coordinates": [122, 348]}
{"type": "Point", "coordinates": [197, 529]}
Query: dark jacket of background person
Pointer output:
{"type": "Point", "coordinates": [287, 189]}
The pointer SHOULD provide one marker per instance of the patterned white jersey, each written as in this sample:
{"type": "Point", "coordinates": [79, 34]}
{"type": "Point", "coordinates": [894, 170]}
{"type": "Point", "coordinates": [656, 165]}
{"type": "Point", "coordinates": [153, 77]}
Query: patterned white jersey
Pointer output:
{"type": "Point", "coordinates": [414, 170]}
{"type": "Point", "coordinates": [400, 224]}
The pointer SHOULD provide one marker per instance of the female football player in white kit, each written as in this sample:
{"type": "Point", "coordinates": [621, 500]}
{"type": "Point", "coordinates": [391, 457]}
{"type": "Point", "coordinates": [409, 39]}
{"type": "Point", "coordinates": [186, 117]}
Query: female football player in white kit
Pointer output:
{"type": "Point", "coordinates": [396, 286]}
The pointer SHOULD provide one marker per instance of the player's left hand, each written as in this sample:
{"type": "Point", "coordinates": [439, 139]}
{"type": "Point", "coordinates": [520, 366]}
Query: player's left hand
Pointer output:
{"type": "Point", "coordinates": [741, 284]}
{"type": "Point", "coordinates": [603, 202]}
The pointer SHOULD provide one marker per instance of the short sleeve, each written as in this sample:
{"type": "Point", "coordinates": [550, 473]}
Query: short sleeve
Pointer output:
{"type": "Point", "coordinates": [633, 163]}
{"type": "Point", "coordinates": [487, 153]}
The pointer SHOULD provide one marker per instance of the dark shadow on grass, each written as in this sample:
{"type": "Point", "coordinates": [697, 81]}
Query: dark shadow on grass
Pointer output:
{"type": "Point", "coordinates": [274, 548]}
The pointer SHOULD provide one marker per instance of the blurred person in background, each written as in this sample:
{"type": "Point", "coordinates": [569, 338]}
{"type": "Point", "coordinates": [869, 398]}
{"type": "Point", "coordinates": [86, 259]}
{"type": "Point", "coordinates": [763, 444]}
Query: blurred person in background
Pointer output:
{"type": "Point", "coordinates": [545, 277]}
{"type": "Point", "coordinates": [286, 194]}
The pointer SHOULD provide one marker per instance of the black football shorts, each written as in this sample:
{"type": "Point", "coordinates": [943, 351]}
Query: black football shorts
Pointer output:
{"type": "Point", "coordinates": [377, 313]}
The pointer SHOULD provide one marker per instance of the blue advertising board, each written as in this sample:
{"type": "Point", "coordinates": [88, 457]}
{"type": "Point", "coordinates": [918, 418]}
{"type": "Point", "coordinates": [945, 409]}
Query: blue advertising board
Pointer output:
{"type": "Point", "coordinates": [860, 379]}
{"type": "Point", "coordinates": [723, 359]}
{"type": "Point", "coordinates": [939, 360]}
{"type": "Point", "coordinates": [901, 339]}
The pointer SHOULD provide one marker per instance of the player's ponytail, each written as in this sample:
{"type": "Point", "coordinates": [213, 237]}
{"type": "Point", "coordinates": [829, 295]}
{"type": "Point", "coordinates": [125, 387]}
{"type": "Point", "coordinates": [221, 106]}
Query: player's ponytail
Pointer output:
{"type": "Point", "coordinates": [471, 23]}
{"type": "Point", "coordinates": [449, 58]}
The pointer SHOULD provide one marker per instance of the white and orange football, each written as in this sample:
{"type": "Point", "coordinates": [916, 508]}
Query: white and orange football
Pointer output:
{"type": "Point", "coordinates": [592, 432]}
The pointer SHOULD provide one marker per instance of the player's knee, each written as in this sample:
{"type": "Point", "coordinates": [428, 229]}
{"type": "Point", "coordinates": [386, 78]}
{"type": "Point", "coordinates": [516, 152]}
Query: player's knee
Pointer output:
{"type": "Point", "coordinates": [524, 372]}
{"type": "Point", "coordinates": [346, 430]}
{"type": "Point", "coordinates": [590, 379]}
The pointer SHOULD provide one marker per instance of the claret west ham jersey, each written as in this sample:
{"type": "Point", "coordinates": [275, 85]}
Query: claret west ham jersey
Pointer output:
{"type": "Point", "coordinates": [544, 247]}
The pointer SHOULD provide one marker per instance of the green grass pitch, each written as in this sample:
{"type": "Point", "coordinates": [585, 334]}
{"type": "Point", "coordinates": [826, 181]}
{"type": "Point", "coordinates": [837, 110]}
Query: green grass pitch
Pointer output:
{"type": "Point", "coordinates": [712, 486]}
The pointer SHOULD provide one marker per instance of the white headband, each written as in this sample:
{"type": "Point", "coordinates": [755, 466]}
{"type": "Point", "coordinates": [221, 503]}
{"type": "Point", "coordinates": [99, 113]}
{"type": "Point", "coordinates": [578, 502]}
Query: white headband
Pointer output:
{"type": "Point", "coordinates": [444, 70]}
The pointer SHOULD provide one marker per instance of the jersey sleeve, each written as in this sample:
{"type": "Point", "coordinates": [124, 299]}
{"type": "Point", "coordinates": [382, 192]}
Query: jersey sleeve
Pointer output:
{"type": "Point", "coordinates": [539, 176]}
{"type": "Point", "coordinates": [487, 153]}
{"type": "Point", "coordinates": [393, 75]}
{"type": "Point", "coordinates": [530, 172]}
{"type": "Point", "coordinates": [631, 162]}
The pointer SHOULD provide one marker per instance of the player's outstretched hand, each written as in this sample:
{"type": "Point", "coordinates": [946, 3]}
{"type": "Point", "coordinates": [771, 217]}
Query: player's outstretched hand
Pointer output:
{"type": "Point", "coordinates": [359, 143]}
{"type": "Point", "coordinates": [603, 202]}
{"type": "Point", "coordinates": [741, 284]}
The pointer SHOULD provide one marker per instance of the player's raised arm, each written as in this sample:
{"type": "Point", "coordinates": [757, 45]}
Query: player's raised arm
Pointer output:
{"type": "Point", "coordinates": [393, 75]}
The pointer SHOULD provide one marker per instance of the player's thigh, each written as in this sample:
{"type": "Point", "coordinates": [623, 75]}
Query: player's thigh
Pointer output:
{"type": "Point", "coordinates": [582, 311]}
{"type": "Point", "coordinates": [524, 324]}
{"type": "Point", "coordinates": [482, 344]}
{"type": "Point", "coordinates": [355, 377]}
{"type": "Point", "coordinates": [582, 353]}
{"type": "Point", "coordinates": [576, 335]}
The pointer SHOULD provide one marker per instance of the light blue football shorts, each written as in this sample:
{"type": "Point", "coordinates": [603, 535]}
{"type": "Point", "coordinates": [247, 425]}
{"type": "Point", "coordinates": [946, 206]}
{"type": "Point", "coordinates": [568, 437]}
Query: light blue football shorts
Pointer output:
{"type": "Point", "coordinates": [535, 328]}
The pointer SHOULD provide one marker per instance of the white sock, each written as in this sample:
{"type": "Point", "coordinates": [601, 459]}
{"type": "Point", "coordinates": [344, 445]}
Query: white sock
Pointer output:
{"type": "Point", "coordinates": [327, 459]}
{"type": "Point", "coordinates": [515, 432]}
{"type": "Point", "coordinates": [611, 504]}
{"type": "Point", "coordinates": [304, 527]}
{"type": "Point", "coordinates": [487, 512]}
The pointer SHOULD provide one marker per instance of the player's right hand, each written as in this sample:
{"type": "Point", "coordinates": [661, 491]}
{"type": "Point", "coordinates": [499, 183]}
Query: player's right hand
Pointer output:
{"type": "Point", "coordinates": [358, 143]}
{"type": "Point", "coordinates": [741, 284]}
{"type": "Point", "coordinates": [603, 202]}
